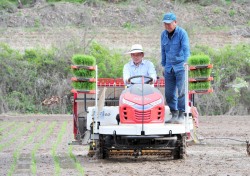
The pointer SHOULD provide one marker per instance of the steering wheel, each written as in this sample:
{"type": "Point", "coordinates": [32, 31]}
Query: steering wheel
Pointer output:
{"type": "Point", "coordinates": [140, 76]}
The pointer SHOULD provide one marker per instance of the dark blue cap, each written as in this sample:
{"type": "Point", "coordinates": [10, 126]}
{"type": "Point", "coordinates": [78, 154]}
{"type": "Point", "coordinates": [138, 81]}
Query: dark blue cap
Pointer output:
{"type": "Point", "coordinates": [169, 18]}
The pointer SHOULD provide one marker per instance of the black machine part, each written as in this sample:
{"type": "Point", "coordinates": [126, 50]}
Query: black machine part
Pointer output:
{"type": "Point", "coordinates": [141, 76]}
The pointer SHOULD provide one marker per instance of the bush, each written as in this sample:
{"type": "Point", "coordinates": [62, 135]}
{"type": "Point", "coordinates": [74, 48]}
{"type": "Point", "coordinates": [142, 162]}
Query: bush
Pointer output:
{"type": "Point", "coordinates": [231, 80]}
{"type": "Point", "coordinates": [7, 5]}
{"type": "Point", "coordinates": [110, 63]}
{"type": "Point", "coordinates": [26, 80]}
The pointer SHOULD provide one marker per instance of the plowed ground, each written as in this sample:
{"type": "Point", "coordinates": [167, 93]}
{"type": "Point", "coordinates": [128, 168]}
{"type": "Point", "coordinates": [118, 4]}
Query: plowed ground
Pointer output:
{"type": "Point", "coordinates": [38, 144]}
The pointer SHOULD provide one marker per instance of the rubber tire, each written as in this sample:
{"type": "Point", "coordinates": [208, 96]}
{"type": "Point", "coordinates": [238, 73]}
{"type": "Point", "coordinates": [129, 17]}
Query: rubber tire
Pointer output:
{"type": "Point", "coordinates": [82, 126]}
{"type": "Point", "coordinates": [103, 151]}
{"type": "Point", "coordinates": [180, 150]}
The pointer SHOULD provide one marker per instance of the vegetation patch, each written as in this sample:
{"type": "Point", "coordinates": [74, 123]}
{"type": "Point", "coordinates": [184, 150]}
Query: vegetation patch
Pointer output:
{"type": "Point", "coordinates": [200, 73]}
{"type": "Point", "coordinates": [16, 153]}
{"type": "Point", "coordinates": [54, 147]}
{"type": "Point", "coordinates": [77, 163]}
{"type": "Point", "coordinates": [84, 60]}
{"type": "Point", "coordinates": [15, 138]}
{"type": "Point", "coordinates": [26, 79]}
{"type": "Point", "coordinates": [37, 146]}
{"type": "Point", "coordinates": [195, 60]}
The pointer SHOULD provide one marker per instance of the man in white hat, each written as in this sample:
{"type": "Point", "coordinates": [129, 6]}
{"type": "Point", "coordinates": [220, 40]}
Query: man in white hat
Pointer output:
{"type": "Point", "coordinates": [138, 66]}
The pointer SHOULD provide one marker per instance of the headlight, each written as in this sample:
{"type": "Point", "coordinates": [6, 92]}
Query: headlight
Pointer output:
{"type": "Point", "coordinates": [141, 107]}
{"type": "Point", "coordinates": [127, 102]}
{"type": "Point", "coordinates": [156, 102]}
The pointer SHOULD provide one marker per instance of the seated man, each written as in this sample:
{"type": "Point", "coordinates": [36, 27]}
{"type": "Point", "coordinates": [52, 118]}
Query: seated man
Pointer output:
{"type": "Point", "coordinates": [138, 66]}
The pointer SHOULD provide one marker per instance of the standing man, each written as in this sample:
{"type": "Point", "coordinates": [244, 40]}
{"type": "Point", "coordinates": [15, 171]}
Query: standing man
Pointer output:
{"type": "Point", "coordinates": [175, 52]}
{"type": "Point", "coordinates": [138, 66]}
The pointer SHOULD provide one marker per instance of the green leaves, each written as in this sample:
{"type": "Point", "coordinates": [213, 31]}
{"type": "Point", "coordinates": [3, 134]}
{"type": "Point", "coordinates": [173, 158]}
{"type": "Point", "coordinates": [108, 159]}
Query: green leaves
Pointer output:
{"type": "Point", "coordinates": [110, 63]}
{"type": "Point", "coordinates": [231, 70]}
{"type": "Point", "coordinates": [26, 79]}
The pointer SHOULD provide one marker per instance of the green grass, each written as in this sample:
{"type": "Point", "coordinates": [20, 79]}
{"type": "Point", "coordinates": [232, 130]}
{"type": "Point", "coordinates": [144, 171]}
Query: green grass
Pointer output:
{"type": "Point", "coordinates": [84, 60]}
{"type": "Point", "coordinates": [232, 13]}
{"type": "Point", "coordinates": [72, 1]}
{"type": "Point", "coordinates": [217, 10]}
{"type": "Point", "coordinates": [128, 26]}
{"type": "Point", "coordinates": [248, 23]}
{"type": "Point", "coordinates": [7, 5]}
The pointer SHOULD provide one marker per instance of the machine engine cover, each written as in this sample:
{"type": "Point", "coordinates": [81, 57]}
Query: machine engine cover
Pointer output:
{"type": "Point", "coordinates": [141, 104]}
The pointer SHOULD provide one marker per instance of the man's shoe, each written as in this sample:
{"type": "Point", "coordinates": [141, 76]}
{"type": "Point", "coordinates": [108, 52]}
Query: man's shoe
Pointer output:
{"type": "Point", "coordinates": [181, 117]}
{"type": "Point", "coordinates": [174, 117]}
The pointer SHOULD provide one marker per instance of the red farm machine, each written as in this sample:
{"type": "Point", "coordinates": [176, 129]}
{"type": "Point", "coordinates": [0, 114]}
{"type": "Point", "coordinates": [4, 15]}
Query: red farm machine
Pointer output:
{"type": "Point", "coordinates": [131, 121]}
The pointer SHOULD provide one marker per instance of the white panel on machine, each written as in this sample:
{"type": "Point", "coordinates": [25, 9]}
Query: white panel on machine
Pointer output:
{"type": "Point", "coordinates": [106, 117]}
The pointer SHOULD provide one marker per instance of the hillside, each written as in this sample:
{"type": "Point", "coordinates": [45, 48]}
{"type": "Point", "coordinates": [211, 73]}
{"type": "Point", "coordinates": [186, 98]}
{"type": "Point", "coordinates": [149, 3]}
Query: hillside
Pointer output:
{"type": "Point", "coordinates": [68, 28]}
{"type": "Point", "coordinates": [120, 25]}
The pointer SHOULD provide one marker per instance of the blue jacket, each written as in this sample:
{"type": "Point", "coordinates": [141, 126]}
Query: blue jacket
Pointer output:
{"type": "Point", "coordinates": [174, 52]}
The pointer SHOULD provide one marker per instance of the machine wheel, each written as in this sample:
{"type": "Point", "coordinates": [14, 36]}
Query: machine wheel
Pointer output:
{"type": "Point", "coordinates": [103, 151]}
{"type": "Point", "coordinates": [81, 127]}
{"type": "Point", "coordinates": [180, 150]}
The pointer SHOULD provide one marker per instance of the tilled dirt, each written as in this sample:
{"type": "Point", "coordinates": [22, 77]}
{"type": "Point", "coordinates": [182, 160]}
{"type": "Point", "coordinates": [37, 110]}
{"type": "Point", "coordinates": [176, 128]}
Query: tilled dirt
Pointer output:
{"type": "Point", "coordinates": [38, 145]}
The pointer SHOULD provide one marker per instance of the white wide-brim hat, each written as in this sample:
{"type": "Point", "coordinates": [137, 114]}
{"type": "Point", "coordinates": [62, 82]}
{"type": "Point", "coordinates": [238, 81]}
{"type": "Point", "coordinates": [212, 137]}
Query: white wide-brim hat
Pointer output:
{"type": "Point", "coordinates": [136, 48]}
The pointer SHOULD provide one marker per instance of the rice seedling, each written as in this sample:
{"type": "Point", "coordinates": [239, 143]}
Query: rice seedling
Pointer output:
{"type": "Point", "coordinates": [200, 73]}
{"type": "Point", "coordinates": [83, 60]}
{"type": "Point", "coordinates": [198, 60]}
{"type": "Point", "coordinates": [54, 147]}
{"type": "Point", "coordinates": [84, 85]}
{"type": "Point", "coordinates": [83, 73]}
{"type": "Point", "coordinates": [16, 153]}
{"type": "Point", "coordinates": [12, 140]}
{"type": "Point", "coordinates": [206, 72]}
{"type": "Point", "coordinates": [4, 124]}
{"type": "Point", "coordinates": [199, 85]}
{"type": "Point", "coordinates": [11, 129]}
{"type": "Point", "coordinates": [77, 164]}
{"type": "Point", "coordinates": [34, 151]}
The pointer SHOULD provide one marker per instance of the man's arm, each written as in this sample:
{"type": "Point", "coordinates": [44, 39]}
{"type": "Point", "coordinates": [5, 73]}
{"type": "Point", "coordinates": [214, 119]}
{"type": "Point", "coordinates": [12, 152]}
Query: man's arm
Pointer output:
{"type": "Point", "coordinates": [152, 71]}
{"type": "Point", "coordinates": [126, 73]}
{"type": "Point", "coordinates": [163, 53]}
{"type": "Point", "coordinates": [185, 45]}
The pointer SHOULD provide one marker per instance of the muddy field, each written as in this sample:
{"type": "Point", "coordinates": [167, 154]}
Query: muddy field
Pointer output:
{"type": "Point", "coordinates": [38, 145]}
